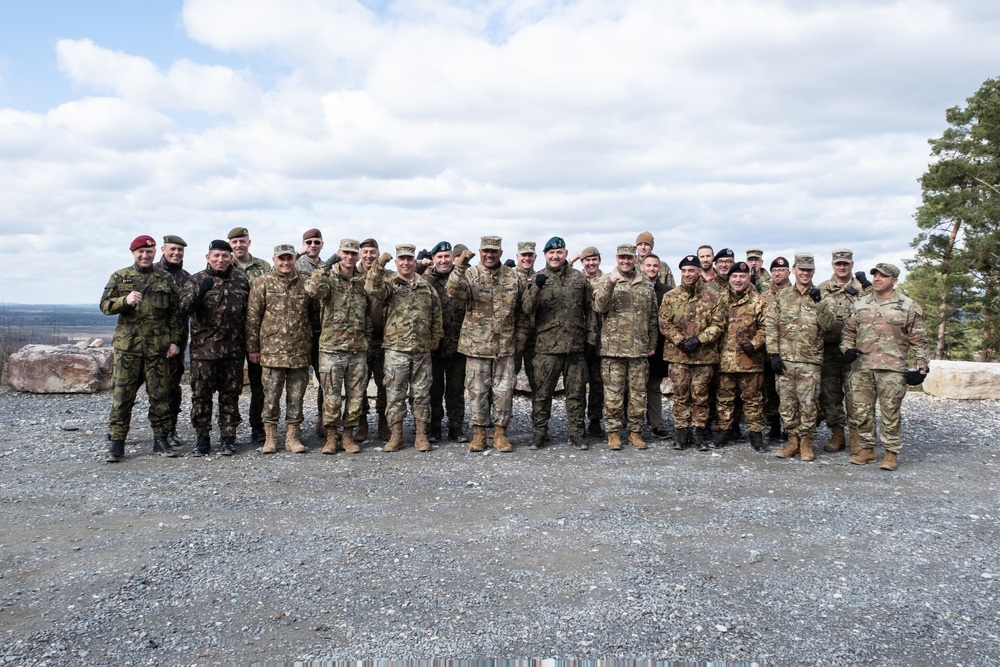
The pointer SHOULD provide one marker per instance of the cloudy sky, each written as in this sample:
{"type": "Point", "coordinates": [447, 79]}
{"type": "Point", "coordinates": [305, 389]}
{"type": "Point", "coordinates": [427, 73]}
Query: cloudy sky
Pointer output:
{"type": "Point", "coordinates": [792, 126]}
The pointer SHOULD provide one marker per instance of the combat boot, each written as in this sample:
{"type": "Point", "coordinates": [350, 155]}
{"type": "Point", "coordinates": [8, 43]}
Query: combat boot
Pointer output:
{"type": "Point", "coordinates": [635, 439]}
{"type": "Point", "coordinates": [537, 441]}
{"type": "Point", "coordinates": [683, 437]}
{"type": "Point", "coordinates": [774, 432]}
{"type": "Point", "coordinates": [865, 455]}
{"type": "Point", "coordinates": [595, 429]}
{"type": "Point", "coordinates": [855, 440]}
{"type": "Point", "coordinates": [478, 443]}
{"type": "Point", "coordinates": [116, 451]}
{"type": "Point", "coordinates": [791, 449]}
{"type": "Point", "coordinates": [500, 441]}
{"type": "Point", "coordinates": [721, 438]}
{"type": "Point", "coordinates": [434, 434]}
{"type": "Point", "coordinates": [174, 440]}
{"type": "Point", "coordinates": [347, 442]}
{"type": "Point", "coordinates": [293, 443]}
{"type": "Point", "coordinates": [270, 439]}
{"type": "Point", "coordinates": [614, 440]}
{"type": "Point", "coordinates": [161, 446]}
{"type": "Point", "coordinates": [202, 446]}
{"type": "Point", "coordinates": [697, 439]}
{"type": "Point", "coordinates": [361, 435]}
{"type": "Point", "coordinates": [332, 437]}
{"type": "Point", "coordinates": [394, 442]}
{"type": "Point", "coordinates": [384, 431]}
{"type": "Point", "coordinates": [888, 461]}
{"type": "Point", "coordinates": [455, 433]}
{"type": "Point", "coordinates": [757, 441]}
{"type": "Point", "coordinates": [736, 432]}
{"type": "Point", "coordinates": [837, 442]}
{"type": "Point", "coordinates": [228, 445]}
{"type": "Point", "coordinates": [806, 448]}
{"type": "Point", "coordinates": [578, 442]}
{"type": "Point", "coordinates": [421, 442]}
{"type": "Point", "coordinates": [257, 433]}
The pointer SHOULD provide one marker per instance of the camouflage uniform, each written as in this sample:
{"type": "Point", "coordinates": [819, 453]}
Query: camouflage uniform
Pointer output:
{"type": "Point", "coordinates": [447, 364]}
{"type": "Point", "coordinates": [527, 357]}
{"type": "Point", "coordinates": [762, 281]}
{"type": "Point", "coordinates": [376, 356]}
{"type": "Point", "coordinates": [691, 311]}
{"type": "Point", "coordinates": [306, 266]}
{"type": "Point", "coordinates": [834, 378]}
{"type": "Point", "coordinates": [886, 332]}
{"type": "Point", "coordinates": [628, 333]}
{"type": "Point", "coordinates": [796, 327]}
{"type": "Point", "coordinates": [142, 337]}
{"type": "Point", "coordinates": [278, 328]}
{"type": "Point", "coordinates": [739, 372]}
{"type": "Point", "coordinates": [218, 346]}
{"type": "Point", "coordinates": [562, 311]}
{"type": "Point", "coordinates": [254, 268]}
{"type": "Point", "coordinates": [595, 386]}
{"type": "Point", "coordinates": [175, 364]}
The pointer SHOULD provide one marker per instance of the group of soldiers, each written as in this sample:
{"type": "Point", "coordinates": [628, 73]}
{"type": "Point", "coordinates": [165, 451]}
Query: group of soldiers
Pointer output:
{"type": "Point", "coordinates": [442, 336]}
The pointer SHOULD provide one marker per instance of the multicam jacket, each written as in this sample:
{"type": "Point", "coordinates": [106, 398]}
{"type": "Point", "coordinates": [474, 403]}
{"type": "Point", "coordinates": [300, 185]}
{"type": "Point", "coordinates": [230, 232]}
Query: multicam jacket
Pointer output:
{"type": "Point", "coordinates": [762, 280]}
{"type": "Point", "coordinates": [452, 311]}
{"type": "Point", "coordinates": [692, 310]}
{"type": "Point", "coordinates": [562, 311]}
{"type": "Point", "coordinates": [796, 325]}
{"type": "Point", "coordinates": [628, 309]}
{"type": "Point", "coordinates": [254, 268]}
{"type": "Point", "coordinates": [842, 303]}
{"type": "Point", "coordinates": [178, 276]}
{"type": "Point", "coordinates": [149, 328]}
{"type": "Point", "coordinates": [412, 311]}
{"type": "Point", "coordinates": [886, 331]}
{"type": "Point", "coordinates": [218, 319]}
{"type": "Point", "coordinates": [494, 322]}
{"type": "Point", "coordinates": [744, 323]}
{"type": "Point", "coordinates": [278, 320]}
{"type": "Point", "coordinates": [344, 309]}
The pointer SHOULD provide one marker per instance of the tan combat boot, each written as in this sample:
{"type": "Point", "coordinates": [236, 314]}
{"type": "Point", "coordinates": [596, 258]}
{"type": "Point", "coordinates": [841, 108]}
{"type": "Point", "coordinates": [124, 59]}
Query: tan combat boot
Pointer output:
{"type": "Point", "coordinates": [331, 440]}
{"type": "Point", "coordinates": [888, 461]}
{"type": "Point", "coordinates": [865, 455]}
{"type": "Point", "coordinates": [292, 442]}
{"type": "Point", "coordinates": [500, 441]}
{"type": "Point", "coordinates": [635, 439]}
{"type": "Point", "coordinates": [395, 441]}
{"type": "Point", "coordinates": [270, 439]}
{"type": "Point", "coordinates": [791, 449]}
{"type": "Point", "coordinates": [837, 442]}
{"type": "Point", "coordinates": [614, 440]}
{"type": "Point", "coordinates": [806, 448]}
{"type": "Point", "coordinates": [855, 440]}
{"type": "Point", "coordinates": [361, 435]}
{"type": "Point", "coordinates": [347, 442]}
{"type": "Point", "coordinates": [384, 431]}
{"type": "Point", "coordinates": [478, 442]}
{"type": "Point", "coordinates": [421, 442]}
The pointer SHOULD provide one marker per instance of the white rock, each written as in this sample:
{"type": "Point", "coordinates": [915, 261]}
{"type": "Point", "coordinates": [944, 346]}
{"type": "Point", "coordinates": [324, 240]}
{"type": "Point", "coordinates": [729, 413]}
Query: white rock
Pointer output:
{"type": "Point", "coordinates": [59, 369]}
{"type": "Point", "coordinates": [963, 380]}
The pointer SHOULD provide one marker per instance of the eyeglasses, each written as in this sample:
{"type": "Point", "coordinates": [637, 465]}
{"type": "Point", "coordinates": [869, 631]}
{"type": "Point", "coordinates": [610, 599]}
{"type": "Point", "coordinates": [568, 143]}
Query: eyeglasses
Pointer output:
{"type": "Point", "coordinates": [314, 242]}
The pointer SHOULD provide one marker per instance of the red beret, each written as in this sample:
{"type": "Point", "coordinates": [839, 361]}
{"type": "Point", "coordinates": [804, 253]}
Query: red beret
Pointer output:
{"type": "Point", "coordinates": [143, 241]}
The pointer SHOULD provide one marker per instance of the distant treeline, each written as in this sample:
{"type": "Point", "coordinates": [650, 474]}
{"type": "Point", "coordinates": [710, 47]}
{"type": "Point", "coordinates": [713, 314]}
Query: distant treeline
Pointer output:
{"type": "Point", "coordinates": [54, 316]}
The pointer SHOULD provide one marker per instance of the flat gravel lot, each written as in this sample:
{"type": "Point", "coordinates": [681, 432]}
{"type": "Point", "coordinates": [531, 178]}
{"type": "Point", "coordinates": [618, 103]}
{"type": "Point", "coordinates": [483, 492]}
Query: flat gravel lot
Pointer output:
{"type": "Point", "coordinates": [657, 554]}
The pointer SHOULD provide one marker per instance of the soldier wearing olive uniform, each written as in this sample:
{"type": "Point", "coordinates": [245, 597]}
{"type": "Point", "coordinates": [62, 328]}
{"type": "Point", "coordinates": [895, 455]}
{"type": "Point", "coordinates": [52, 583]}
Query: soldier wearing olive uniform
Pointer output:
{"type": "Point", "coordinates": [239, 241]}
{"type": "Point", "coordinates": [172, 261]}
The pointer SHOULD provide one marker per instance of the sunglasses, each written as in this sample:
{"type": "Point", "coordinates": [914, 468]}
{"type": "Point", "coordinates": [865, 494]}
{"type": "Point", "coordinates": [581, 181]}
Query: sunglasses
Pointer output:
{"type": "Point", "coordinates": [314, 242]}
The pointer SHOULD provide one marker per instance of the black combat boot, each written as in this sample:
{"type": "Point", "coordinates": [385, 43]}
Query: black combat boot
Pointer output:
{"type": "Point", "coordinates": [698, 440]}
{"type": "Point", "coordinates": [228, 445]}
{"type": "Point", "coordinates": [683, 438]}
{"type": "Point", "coordinates": [757, 440]}
{"type": "Point", "coordinates": [203, 446]}
{"type": "Point", "coordinates": [116, 451]}
{"type": "Point", "coordinates": [257, 434]}
{"type": "Point", "coordinates": [537, 441]}
{"type": "Point", "coordinates": [434, 433]}
{"type": "Point", "coordinates": [578, 442]}
{"type": "Point", "coordinates": [735, 433]}
{"type": "Point", "coordinates": [174, 440]}
{"type": "Point", "coordinates": [456, 434]}
{"type": "Point", "coordinates": [721, 439]}
{"type": "Point", "coordinates": [774, 433]}
{"type": "Point", "coordinates": [595, 429]}
{"type": "Point", "coordinates": [161, 446]}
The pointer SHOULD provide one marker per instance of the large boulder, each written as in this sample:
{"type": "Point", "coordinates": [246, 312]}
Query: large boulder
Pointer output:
{"type": "Point", "coordinates": [963, 380]}
{"type": "Point", "coordinates": [60, 369]}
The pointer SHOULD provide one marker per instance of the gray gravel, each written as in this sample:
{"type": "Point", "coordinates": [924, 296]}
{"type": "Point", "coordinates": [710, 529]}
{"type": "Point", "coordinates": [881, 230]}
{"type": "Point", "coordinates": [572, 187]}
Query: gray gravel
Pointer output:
{"type": "Point", "coordinates": [659, 554]}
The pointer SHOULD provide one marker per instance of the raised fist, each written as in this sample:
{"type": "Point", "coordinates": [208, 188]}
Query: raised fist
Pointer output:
{"type": "Point", "coordinates": [383, 259]}
{"type": "Point", "coordinates": [540, 280]}
{"type": "Point", "coordinates": [510, 263]}
{"type": "Point", "coordinates": [465, 258]}
{"type": "Point", "coordinates": [334, 259]}
{"type": "Point", "coordinates": [863, 279]}
{"type": "Point", "coordinates": [206, 284]}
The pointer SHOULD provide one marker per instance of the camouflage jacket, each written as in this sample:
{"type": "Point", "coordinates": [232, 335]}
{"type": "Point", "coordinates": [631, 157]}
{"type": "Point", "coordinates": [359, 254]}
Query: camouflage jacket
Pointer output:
{"type": "Point", "coordinates": [598, 318]}
{"type": "Point", "coordinates": [254, 268]}
{"type": "Point", "coordinates": [494, 322]}
{"type": "Point", "coordinates": [149, 328]}
{"type": "Point", "coordinates": [796, 325]}
{"type": "Point", "coordinates": [667, 276]}
{"type": "Point", "coordinates": [712, 284]}
{"type": "Point", "coordinates": [277, 321]}
{"type": "Point", "coordinates": [305, 265]}
{"type": "Point", "coordinates": [628, 309]}
{"type": "Point", "coordinates": [528, 275]}
{"type": "Point", "coordinates": [744, 323]}
{"type": "Point", "coordinates": [452, 311]}
{"type": "Point", "coordinates": [841, 302]}
{"type": "Point", "coordinates": [762, 280]}
{"type": "Point", "coordinates": [218, 319]}
{"type": "Point", "coordinates": [886, 332]}
{"type": "Point", "coordinates": [412, 311]}
{"type": "Point", "coordinates": [692, 310]}
{"type": "Point", "coordinates": [178, 277]}
{"type": "Point", "coordinates": [344, 309]}
{"type": "Point", "coordinates": [562, 311]}
{"type": "Point", "coordinates": [378, 312]}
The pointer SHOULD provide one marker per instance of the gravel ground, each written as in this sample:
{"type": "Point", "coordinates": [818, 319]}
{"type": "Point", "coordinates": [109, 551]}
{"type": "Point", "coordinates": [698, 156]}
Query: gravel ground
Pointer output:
{"type": "Point", "coordinates": [731, 556]}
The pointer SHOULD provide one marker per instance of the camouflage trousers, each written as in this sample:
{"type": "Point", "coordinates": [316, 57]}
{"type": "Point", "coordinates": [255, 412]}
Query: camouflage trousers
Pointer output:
{"type": "Point", "coordinates": [748, 387]}
{"type": "Point", "coordinates": [654, 401]}
{"type": "Point", "coordinates": [692, 393]}
{"type": "Point", "coordinates": [128, 374]}
{"type": "Point", "coordinates": [798, 391]}
{"type": "Point", "coordinates": [293, 381]}
{"type": "Point", "coordinates": [548, 367]}
{"type": "Point", "coordinates": [595, 389]}
{"type": "Point", "coordinates": [448, 389]}
{"type": "Point", "coordinates": [527, 360]}
{"type": "Point", "coordinates": [621, 375]}
{"type": "Point", "coordinates": [833, 383]}
{"type": "Point", "coordinates": [489, 383]}
{"type": "Point", "coordinates": [216, 375]}
{"type": "Point", "coordinates": [255, 374]}
{"type": "Point", "coordinates": [407, 374]}
{"type": "Point", "coordinates": [343, 373]}
{"type": "Point", "coordinates": [887, 388]}
{"type": "Point", "coordinates": [175, 368]}
{"type": "Point", "coordinates": [376, 370]}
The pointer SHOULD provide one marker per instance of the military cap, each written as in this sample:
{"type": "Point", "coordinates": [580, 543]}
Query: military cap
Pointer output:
{"type": "Point", "coordinates": [284, 249]}
{"type": "Point", "coordinates": [554, 243]}
{"type": "Point", "coordinates": [589, 251]}
{"type": "Point", "coordinates": [219, 244]}
{"type": "Point", "coordinates": [843, 255]}
{"type": "Point", "coordinates": [442, 246]}
{"type": "Point", "coordinates": [689, 260]}
{"type": "Point", "coordinates": [779, 263]}
{"type": "Point", "coordinates": [725, 252]}
{"type": "Point", "coordinates": [625, 250]}
{"type": "Point", "coordinates": [349, 245]}
{"type": "Point", "coordinates": [886, 269]}
{"type": "Point", "coordinates": [406, 250]}
{"type": "Point", "coordinates": [644, 237]}
{"type": "Point", "coordinates": [238, 232]}
{"type": "Point", "coordinates": [805, 260]}
{"type": "Point", "coordinates": [525, 247]}
{"type": "Point", "coordinates": [754, 252]}
{"type": "Point", "coordinates": [369, 243]}
{"type": "Point", "coordinates": [144, 241]}
{"type": "Point", "coordinates": [491, 243]}
{"type": "Point", "coordinates": [740, 267]}
{"type": "Point", "coordinates": [459, 249]}
{"type": "Point", "coordinates": [311, 234]}
{"type": "Point", "coordinates": [174, 240]}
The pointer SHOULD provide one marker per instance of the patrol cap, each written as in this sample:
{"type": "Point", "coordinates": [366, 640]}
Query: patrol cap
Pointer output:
{"type": "Point", "coordinates": [805, 260]}
{"type": "Point", "coordinates": [554, 243]}
{"type": "Point", "coordinates": [491, 243]}
{"type": "Point", "coordinates": [442, 246]}
{"type": "Point", "coordinates": [369, 243]}
{"type": "Point", "coordinates": [237, 232]}
{"type": "Point", "coordinates": [459, 248]}
{"type": "Point", "coordinates": [219, 244]}
{"type": "Point", "coordinates": [755, 253]}
{"type": "Point", "coordinates": [740, 267]}
{"type": "Point", "coordinates": [843, 255]}
{"type": "Point", "coordinates": [406, 250]}
{"type": "Point", "coordinates": [886, 269]}
{"type": "Point", "coordinates": [173, 239]}
{"type": "Point", "coordinates": [625, 250]}
{"type": "Point", "coordinates": [644, 237]}
{"type": "Point", "coordinates": [144, 241]}
{"type": "Point", "coordinates": [689, 260]}
{"type": "Point", "coordinates": [779, 263]}
{"type": "Point", "coordinates": [725, 252]}
{"type": "Point", "coordinates": [284, 249]}
{"type": "Point", "coordinates": [349, 245]}
{"type": "Point", "coordinates": [525, 247]}
{"type": "Point", "coordinates": [311, 234]}
{"type": "Point", "coordinates": [589, 251]}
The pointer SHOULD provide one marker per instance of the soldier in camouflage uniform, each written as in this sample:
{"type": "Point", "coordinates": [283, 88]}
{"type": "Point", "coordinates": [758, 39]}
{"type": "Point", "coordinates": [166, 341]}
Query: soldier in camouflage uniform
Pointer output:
{"type": "Point", "coordinates": [759, 276]}
{"type": "Point", "coordinates": [723, 262]}
{"type": "Point", "coordinates": [560, 301]}
{"type": "Point", "coordinates": [797, 321]}
{"type": "Point", "coordinates": [279, 340]}
{"type": "Point", "coordinates": [494, 329]}
{"type": "Point", "coordinates": [626, 300]}
{"type": "Point", "coordinates": [376, 354]}
{"type": "Point", "coordinates": [338, 288]}
{"type": "Point", "coordinates": [308, 261]}
{"type": "Point", "coordinates": [692, 321]}
{"type": "Point", "coordinates": [883, 329]}
{"type": "Point", "coordinates": [147, 335]}
{"type": "Point", "coordinates": [590, 262]}
{"type": "Point", "coordinates": [525, 266]}
{"type": "Point", "coordinates": [643, 247]}
{"type": "Point", "coordinates": [172, 261]}
{"type": "Point", "coordinates": [780, 271]}
{"type": "Point", "coordinates": [741, 357]}
{"type": "Point", "coordinates": [216, 299]}
{"type": "Point", "coordinates": [447, 364]}
{"type": "Point", "coordinates": [413, 330]}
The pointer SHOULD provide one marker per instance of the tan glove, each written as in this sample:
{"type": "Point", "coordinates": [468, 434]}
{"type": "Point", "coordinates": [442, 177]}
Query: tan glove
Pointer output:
{"type": "Point", "coordinates": [383, 260]}
{"type": "Point", "coordinates": [465, 258]}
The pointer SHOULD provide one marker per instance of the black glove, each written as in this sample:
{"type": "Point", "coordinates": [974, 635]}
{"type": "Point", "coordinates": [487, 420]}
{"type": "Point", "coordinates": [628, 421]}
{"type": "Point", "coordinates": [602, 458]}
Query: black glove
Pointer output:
{"type": "Point", "coordinates": [915, 376]}
{"type": "Point", "coordinates": [511, 263]}
{"type": "Point", "coordinates": [423, 254]}
{"type": "Point", "coordinates": [851, 354]}
{"type": "Point", "coordinates": [815, 294]}
{"type": "Point", "coordinates": [850, 290]}
{"type": "Point", "coordinates": [747, 348]}
{"type": "Point", "coordinates": [540, 280]}
{"type": "Point", "coordinates": [863, 279]}
{"type": "Point", "coordinates": [334, 258]}
{"type": "Point", "coordinates": [690, 345]}
{"type": "Point", "coordinates": [777, 365]}
{"type": "Point", "coordinates": [206, 284]}
{"type": "Point", "coordinates": [589, 351]}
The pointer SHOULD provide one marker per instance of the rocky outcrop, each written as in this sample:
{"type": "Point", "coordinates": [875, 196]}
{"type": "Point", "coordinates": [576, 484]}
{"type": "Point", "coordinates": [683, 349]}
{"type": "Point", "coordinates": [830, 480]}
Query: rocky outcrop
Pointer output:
{"type": "Point", "coordinates": [963, 380]}
{"type": "Point", "coordinates": [60, 369]}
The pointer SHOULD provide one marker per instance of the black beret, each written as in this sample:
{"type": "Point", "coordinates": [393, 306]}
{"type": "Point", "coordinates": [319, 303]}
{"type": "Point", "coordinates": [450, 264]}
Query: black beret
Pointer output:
{"type": "Point", "coordinates": [219, 244]}
{"type": "Point", "coordinates": [442, 246]}
{"type": "Point", "coordinates": [725, 252]}
{"type": "Point", "coordinates": [779, 262]}
{"type": "Point", "coordinates": [740, 267]}
{"type": "Point", "coordinates": [690, 260]}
